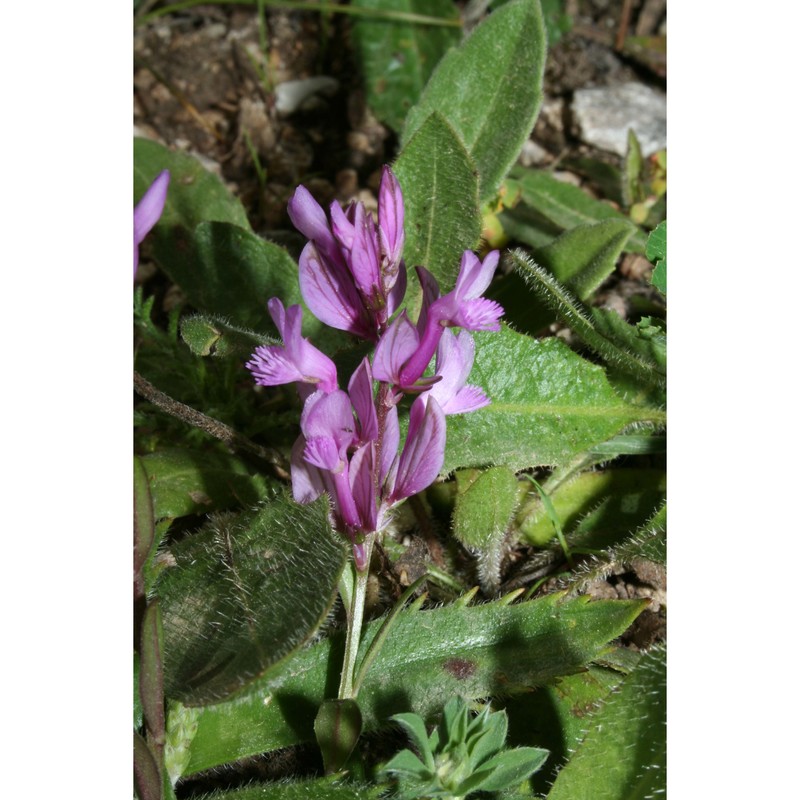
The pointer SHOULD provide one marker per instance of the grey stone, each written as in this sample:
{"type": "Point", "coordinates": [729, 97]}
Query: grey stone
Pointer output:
{"type": "Point", "coordinates": [603, 115]}
{"type": "Point", "coordinates": [293, 95]}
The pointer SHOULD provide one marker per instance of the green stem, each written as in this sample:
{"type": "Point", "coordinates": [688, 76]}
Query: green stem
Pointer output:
{"type": "Point", "coordinates": [355, 620]}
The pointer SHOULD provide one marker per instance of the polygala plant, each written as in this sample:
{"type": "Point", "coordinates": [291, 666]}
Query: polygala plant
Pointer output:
{"type": "Point", "coordinates": [371, 489]}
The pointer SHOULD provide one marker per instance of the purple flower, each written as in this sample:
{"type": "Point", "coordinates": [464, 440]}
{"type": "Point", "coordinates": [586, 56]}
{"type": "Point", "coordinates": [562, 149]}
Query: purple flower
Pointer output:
{"type": "Point", "coordinates": [423, 453]}
{"type": "Point", "coordinates": [351, 272]}
{"type": "Point", "coordinates": [404, 352]}
{"type": "Point", "coordinates": [148, 211]}
{"type": "Point", "coordinates": [297, 361]}
{"type": "Point", "coordinates": [454, 358]}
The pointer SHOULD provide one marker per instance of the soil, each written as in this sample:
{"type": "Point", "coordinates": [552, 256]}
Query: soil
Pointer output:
{"type": "Point", "coordinates": [203, 84]}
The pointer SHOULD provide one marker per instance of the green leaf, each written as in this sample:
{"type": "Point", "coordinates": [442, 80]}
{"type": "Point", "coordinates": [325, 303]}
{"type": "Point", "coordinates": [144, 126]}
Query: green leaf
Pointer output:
{"type": "Point", "coordinates": [489, 89]}
{"type": "Point", "coordinates": [510, 767]}
{"type": "Point", "coordinates": [551, 204]}
{"type": "Point", "coordinates": [244, 593]}
{"type": "Point", "coordinates": [396, 58]}
{"type": "Point", "coordinates": [227, 270]}
{"type": "Point", "coordinates": [474, 652]}
{"type": "Point", "coordinates": [587, 324]}
{"type": "Point", "coordinates": [483, 512]}
{"type": "Point", "coordinates": [554, 716]}
{"type": "Point", "coordinates": [485, 508]}
{"type": "Point", "coordinates": [185, 482]}
{"type": "Point", "coordinates": [657, 253]}
{"type": "Point", "coordinates": [628, 497]}
{"type": "Point", "coordinates": [440, 192]}
{"type": "Point", "coordinates": [213, 336]}
{"type": "Point", "coordinates": [548, 406]}
{"type": "Point", "coordinates": [195, 195]}
{"type": "Point", "coordinates": [304, 789]}
{"type": "Point", "coordinates": [414, 726]}
{"type": "Point", "coordinates": [623, 756]}
{"type": "Point", "coordinates": [582, 258]}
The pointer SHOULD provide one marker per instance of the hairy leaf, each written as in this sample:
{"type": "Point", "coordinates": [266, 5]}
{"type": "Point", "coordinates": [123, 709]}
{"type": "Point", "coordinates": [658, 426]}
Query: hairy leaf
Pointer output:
{"type": "Point", "coordinates": [244, 593]}
{"type": "Point", "coordinates": [397, 58]}
{"type": "Point", "coordinates": [549, 408]}
{"type": "Point", "coordinates": [304, 789]}
{"type": "Point", "coordinates": [195, 195]}
{"type": "Point", "coordinates": [490, 89]}
{"type": "Point", "coordinates": [623, 755]}
{"type": "Point", "coordinates": [187, 482]}
{"type": "Point", "coordinates": [228, 270]}
{"type": "Point", "coordinates": [440, 192]}
{"type": "Point", "coordinates": [549, 204]}
{"type": "Point", "coordinates": [431, 655]}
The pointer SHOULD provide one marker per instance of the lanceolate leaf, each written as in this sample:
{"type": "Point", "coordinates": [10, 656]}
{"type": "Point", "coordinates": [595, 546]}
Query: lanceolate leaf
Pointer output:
{"type": "Point", "coordinates": [549, 408]}
{"type": "Point", "coordinates": [430, 656]}
{"type": "Point", "coordinates": [582, 258]}
{"type": "Point", "coordinates": [397, 59]}
{"type": "Point", "coordinates": [623, 756]}
{"type": "Point", "coordinates": [244, 593]}
{"type": "Point", "coordinates": [490, 89]}
{"type": "Point", "coordinates": [551, 204]}
{"type": "Point", "coordinates": [440, 191]}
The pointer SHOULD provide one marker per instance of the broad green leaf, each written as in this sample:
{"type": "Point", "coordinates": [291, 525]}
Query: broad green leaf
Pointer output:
{"type": "Point", "coordinates": [228, 270]}
{"type": "Point", "coordinates": [582, 258]}
{"type": "Point", "coordinates": [628, 497]}
{"type": "Point", "coordinates": [397, 58]}
{"type": "Point", "coordinates": [195, 195]}
{"type": "Point", "coordinates": [489, 90]}
{"type": "Point", "coordinates": [623, 755]}
{"type": "Point", "coordinates": [657, 254]}
{"type": "Point", "coordinates": [431, 655]}
{"type": "Point", "coordinates": [186, 482]}
{"type": "Point", "coordinates": [552, 204]}
{"type": "Point", "coordinates": [548, 405]}
{"type": "Point", "coordinates": [303, 789]}
{"type": "Point", "coordinates": [244, 593]}
{"type": "Point", "coordinates": [440, 192]}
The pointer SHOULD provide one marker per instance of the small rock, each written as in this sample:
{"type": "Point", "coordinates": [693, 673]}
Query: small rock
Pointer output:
{"type": "Point", "coordinates": [603, 115]}
{"type": "Point", "coordinates": [533, 155]}
{"type": "Point", "coordinates": [291, 96]}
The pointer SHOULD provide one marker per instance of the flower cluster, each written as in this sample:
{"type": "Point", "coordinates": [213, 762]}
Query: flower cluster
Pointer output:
{"type": "Point", "coordinates": [353, 278]}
